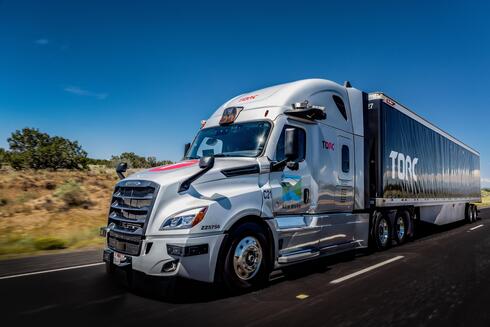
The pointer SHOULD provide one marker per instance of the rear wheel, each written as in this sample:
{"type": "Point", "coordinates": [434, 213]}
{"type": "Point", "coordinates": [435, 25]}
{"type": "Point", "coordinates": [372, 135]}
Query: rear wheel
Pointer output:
{"type": "Point", "coordinates": [247, 260]}
{"type": "Point", "coordinates": [381, 231]}
{"type": "Point", "coordinates": [402, 226]}
{"type": "Point", "coordinates": [473, 213]}
{"type": "Point", "coordinates": [469, 213]}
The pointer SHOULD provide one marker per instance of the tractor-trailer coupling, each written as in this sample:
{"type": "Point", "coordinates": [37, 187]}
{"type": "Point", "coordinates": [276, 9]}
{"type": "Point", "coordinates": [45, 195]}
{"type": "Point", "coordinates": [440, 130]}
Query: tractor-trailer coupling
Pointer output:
{"type": "Point", "coordinates": [287, 174]}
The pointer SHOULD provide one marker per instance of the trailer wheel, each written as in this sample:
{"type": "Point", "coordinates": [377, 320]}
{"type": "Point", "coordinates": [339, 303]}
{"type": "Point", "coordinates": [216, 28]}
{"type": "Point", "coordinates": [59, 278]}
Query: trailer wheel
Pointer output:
{"type": "Point", "coordinates": [381, 231]}
{"type": "Point", "coordinates": [401, 226]}
{"type": "Point", "coordinates": [468, 214]}
{"type": "Point", "coordinates": [246, 263]}
{"type": "Point", "coordinates": [473, 213]}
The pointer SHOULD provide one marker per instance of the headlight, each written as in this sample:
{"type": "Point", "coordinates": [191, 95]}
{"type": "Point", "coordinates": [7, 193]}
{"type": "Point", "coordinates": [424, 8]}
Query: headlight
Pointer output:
{"type": "Point", "coordinates": [186, 219]}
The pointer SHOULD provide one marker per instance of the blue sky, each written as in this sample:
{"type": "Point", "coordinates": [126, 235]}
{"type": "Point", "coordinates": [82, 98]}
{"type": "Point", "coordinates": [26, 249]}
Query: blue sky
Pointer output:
{"type": "Point", "coordinates": [140, 75]}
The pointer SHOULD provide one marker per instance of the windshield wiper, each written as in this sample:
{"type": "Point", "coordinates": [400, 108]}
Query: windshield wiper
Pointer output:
{"type": "Point", "coordinates": [221, 155]}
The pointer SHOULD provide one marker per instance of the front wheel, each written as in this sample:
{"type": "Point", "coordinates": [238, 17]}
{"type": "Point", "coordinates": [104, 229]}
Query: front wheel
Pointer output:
{"type": "Point", "coordinates": [246, 262]}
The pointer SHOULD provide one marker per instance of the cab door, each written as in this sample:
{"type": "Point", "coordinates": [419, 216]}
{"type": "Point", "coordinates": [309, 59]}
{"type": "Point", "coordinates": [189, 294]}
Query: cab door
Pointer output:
{"type": "Point", "coordinates": [291, 187]}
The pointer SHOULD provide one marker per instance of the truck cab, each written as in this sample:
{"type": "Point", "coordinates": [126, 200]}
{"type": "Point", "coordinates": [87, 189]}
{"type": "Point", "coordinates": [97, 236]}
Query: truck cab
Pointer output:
{"type": "Point", "coordinates": [273, 177]}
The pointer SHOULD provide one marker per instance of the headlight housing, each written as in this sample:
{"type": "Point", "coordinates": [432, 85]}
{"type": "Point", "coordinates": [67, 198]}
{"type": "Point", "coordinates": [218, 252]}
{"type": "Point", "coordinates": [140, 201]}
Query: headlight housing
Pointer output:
{"type": "Point", "coordinates": [186, 219]}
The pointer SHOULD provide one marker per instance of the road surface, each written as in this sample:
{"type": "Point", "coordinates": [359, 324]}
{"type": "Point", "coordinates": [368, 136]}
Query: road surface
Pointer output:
{"type": "Point", "coordinates": [440, 279]}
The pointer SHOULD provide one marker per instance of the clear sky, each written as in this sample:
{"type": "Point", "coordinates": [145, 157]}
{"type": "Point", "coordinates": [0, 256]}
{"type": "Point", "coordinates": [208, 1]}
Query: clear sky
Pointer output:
{"type": "Point", "coordinates": [140, 75]}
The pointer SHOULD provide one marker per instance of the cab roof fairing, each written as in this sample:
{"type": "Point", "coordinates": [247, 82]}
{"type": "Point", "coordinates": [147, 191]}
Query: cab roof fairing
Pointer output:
{"type": "Point", "coordinates": [277, 99]}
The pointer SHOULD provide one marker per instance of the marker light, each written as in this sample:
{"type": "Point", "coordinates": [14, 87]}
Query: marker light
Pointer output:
{"type": "Point", "coordinates": [230, 115]}
{"type": "Point", "coordinates": [186, 219]}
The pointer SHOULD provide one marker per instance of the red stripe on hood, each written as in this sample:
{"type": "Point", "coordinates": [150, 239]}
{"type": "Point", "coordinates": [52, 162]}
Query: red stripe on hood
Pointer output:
{"type": "Point", "coordinates": [175, 166]}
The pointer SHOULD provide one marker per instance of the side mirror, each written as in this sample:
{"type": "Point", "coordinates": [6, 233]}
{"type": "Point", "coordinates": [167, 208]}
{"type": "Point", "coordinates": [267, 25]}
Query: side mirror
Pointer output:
{"type": "Point", "coordinates": [187, 146]}
{"type": "Point", "coordinates": [121, 168]}
{"type": "Point", "coordinates": [291, 144]}
{"type": "Point", "coordinates": [206, 163]}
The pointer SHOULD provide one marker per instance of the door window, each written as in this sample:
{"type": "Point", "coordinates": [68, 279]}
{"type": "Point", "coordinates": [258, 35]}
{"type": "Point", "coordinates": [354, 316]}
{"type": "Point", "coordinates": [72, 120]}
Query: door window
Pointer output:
{"type": "Point", "coordinates": [345, 159]}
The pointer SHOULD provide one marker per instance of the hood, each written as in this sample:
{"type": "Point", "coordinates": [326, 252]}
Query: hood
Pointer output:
{"type": "Point", "coordinates": [178, 172]}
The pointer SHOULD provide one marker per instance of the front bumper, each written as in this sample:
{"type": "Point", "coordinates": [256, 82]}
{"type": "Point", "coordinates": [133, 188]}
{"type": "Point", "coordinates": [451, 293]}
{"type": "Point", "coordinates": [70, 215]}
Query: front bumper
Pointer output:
{"type": "Point", "coordinates": [189, 257]}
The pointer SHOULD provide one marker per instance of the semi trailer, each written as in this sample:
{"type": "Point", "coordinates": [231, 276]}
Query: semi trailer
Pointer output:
{"type": "Point", "coordinates": [286, 174]}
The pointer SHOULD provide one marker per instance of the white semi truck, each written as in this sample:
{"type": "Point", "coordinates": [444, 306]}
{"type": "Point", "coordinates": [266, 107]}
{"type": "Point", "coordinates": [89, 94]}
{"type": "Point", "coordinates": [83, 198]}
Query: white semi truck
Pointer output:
{"type": "Point", "coordinates": [286, 174]}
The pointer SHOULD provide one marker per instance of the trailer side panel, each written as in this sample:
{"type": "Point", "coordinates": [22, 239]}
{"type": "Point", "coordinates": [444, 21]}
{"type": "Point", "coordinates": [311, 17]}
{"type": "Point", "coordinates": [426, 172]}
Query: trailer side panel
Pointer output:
{"type": "Point", "coordinates": [417, 164]}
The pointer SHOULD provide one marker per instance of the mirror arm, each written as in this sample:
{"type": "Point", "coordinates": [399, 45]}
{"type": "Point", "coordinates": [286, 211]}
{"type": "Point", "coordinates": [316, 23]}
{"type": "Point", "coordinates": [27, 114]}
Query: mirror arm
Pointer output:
{"type": "Point", "coordinates": [120, 169]}
{"type": "Point", "coordinates": [184, 186]}
{"type": "Point", "coordinates": [293, 165]}
{"type": "Point", "coordinates": [279, 165]}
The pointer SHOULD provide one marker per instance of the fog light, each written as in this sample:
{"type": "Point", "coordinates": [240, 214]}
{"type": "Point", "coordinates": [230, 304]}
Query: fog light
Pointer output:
{"type": "Point", "coordinates": [170, 266]}
{"type": "Point", "coordinates": [175, 250]}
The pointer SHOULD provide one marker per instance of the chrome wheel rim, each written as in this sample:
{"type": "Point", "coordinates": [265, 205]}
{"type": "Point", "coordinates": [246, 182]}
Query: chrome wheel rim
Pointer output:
{"type": "Point", "coordinates": [383, 232]}
{"type": "Point", "coordinates": [400, 228]}
{"type": "Point", "coordinates": [247, 258]}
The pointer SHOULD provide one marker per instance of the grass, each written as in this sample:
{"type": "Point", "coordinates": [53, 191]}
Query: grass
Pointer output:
{"type": "Point", "coordinates": [485, 198]}
{"type": "Point", "coordinates": [42, 211]}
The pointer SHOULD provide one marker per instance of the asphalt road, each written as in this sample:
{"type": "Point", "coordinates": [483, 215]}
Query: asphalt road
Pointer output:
{"type": "Point", "coordinates": [440, 279]}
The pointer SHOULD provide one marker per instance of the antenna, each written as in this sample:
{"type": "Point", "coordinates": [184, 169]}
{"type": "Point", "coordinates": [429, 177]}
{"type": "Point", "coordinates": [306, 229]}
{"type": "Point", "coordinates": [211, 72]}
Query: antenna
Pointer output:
{"type": "Point", "coordinates": [347, 84]}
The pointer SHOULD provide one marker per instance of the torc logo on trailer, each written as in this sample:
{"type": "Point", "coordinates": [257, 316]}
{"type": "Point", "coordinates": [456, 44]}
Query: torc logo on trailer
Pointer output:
{"type": "Point", "coordinates": [405, 165]}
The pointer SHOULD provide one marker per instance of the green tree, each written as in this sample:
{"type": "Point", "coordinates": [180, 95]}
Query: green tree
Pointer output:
{"type": "Point", "coordinates": [135, 161]}
{"type": "Point", "coordinates": [30, 148]}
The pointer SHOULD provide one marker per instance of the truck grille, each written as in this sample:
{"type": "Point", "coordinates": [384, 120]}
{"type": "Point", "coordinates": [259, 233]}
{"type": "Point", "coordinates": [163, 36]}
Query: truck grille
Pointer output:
{"type": "Point", "coordinates": [131, 205]}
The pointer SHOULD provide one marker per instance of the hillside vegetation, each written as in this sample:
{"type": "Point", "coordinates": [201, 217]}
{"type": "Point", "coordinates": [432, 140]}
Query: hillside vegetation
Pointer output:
{"type": "Point", "coordinates": [48, 210]}
{"type": "Point", "coordinates": [52, 195]}
{"type": "Point", "coordinates": [485, 198]}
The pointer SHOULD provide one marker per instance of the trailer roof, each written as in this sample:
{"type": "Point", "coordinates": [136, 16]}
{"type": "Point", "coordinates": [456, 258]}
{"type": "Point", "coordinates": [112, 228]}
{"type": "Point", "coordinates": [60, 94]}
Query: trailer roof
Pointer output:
{"type": "Point", "coordinates": [395, 104]}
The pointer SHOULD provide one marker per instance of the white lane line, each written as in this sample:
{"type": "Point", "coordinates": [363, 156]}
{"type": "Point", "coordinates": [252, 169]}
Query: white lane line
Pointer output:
{"type": "Point", "coordinates": [365, 270]}
{"type": "Point", "coordinates": [476, 227]}
{"type": "Point", "coordinates": [52, 270]}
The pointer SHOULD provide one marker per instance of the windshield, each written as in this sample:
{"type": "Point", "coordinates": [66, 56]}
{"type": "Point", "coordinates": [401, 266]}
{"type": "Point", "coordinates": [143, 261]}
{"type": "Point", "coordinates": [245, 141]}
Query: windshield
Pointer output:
{"type": "Point", "coordinates": [235, 140]}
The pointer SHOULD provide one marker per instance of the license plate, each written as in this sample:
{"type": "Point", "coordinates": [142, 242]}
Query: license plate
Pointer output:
{"type": "Point", "coordinates": [118, 258]}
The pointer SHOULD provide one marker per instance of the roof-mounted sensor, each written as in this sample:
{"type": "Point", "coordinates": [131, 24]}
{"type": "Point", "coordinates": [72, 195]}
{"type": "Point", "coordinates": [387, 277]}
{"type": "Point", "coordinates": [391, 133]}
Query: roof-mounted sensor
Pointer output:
{"type": "Point", "coordinates": [307, 111]}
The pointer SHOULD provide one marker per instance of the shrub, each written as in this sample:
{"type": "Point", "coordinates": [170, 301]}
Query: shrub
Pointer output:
{"type": "Point", "coordinates": [72, 194]}
{"type": "Point", "coordinates": [30, 148]}
{"type": "Point", "coordinates": [135, 161]}
{"type": "Point", "coordinates": [49, 243]}
{"type": "Point", "coordinates": [50, 185]}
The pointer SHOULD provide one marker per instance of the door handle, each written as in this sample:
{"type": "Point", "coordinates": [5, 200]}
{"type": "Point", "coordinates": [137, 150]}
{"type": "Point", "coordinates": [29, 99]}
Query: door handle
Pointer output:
{"type": "Point", "coordinates": [306, 196]}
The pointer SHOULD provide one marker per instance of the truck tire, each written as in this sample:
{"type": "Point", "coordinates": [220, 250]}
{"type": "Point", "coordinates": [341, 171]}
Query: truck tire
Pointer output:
{"type": "Point", "coordinates": [473, 213]}
{"type": "Point", "coordinates": [246, 261]}
{"type": "Point", "coordinates": [381, 232]}
{"type": "Point", "coordinates": [468, 214]}
{"type": "Point", "coordinates": [401, 226]}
